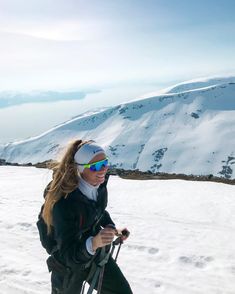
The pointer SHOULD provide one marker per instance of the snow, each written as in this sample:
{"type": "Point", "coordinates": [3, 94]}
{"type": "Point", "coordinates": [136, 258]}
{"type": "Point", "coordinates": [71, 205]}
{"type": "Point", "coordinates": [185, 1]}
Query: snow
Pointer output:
{"type": "Point", "coordinates": [182, 234]}
{"type": "Point", "coordinates": [190, 132]}
{"type": "Point", "coordinates": [198, 83]}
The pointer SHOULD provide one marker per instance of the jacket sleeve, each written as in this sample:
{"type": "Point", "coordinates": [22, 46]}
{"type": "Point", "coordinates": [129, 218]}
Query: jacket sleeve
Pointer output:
{"type": "Point", "coordinates": [106, 220]}
{"type": "Point", "coordinates": [70, 242]}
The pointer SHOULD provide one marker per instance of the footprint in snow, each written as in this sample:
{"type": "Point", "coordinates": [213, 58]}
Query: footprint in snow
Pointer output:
{"type": "Point", "coordinates": [197, 261]}
{"type": "Point", "coordinates": [9, 271]}
{"type": "Point", "coordinates": [25, 226]}
{"type": "Point", "coordinates": [26, 273]}
{"type": "Point", "coordinates": [153, 250]}
{"type": "Point", "coordinates": [157, 285]}
{"type": "Point", "coordinates": [150, 250]}
{"type": "Point", "coordinates": [233, 269]}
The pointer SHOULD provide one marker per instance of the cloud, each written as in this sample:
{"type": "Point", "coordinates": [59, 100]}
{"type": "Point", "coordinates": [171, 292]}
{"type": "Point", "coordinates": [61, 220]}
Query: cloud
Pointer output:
{"type": "Point", "coordinates": [67, 30]}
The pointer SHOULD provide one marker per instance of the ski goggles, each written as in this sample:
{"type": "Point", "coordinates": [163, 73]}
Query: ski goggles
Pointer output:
{"type": "Point", "coordinates": [96, 166]}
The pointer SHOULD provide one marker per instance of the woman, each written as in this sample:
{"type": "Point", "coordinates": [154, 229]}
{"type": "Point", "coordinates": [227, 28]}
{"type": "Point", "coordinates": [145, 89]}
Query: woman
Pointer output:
{"type": "Point", "coordinates": [74, 212]}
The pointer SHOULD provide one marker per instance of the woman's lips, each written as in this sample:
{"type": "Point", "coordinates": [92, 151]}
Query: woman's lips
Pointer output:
{"type": "Point", "coordinates": [101, 177]}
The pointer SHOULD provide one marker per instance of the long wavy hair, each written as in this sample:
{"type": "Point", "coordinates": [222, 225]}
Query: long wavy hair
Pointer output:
{"type": "Point", "coordinates": [65, 180]}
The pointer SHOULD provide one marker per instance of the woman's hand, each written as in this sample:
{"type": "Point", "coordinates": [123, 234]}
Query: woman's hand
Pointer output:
{"type": "Point", "coordinates": [103, 238]}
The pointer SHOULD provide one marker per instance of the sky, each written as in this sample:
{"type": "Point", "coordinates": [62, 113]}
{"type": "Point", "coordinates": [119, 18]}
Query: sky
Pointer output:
{"type": "Point", "coordinates": [84, 46]}
{"type": "Point", "coordinates": [73, 43]}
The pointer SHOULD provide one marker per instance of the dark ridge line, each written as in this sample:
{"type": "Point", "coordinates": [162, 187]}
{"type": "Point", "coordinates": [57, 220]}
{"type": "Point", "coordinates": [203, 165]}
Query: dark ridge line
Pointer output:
{"type": "Point", "coordinates": [135, 174]}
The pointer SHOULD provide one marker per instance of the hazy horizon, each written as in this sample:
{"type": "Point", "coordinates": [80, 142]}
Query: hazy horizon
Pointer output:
{"type": "Point", "coordinates": [123, 49]}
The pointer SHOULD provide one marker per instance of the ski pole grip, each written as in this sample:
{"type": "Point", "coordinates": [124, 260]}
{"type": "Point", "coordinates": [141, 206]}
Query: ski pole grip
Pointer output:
{"type": "Point", "coordinates": [125, 233]}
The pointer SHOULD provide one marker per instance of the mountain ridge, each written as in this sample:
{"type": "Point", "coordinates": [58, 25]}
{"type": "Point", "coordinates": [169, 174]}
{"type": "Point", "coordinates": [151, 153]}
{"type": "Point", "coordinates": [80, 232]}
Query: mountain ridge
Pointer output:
{"type": "Point", "coordinates": [181, 132]}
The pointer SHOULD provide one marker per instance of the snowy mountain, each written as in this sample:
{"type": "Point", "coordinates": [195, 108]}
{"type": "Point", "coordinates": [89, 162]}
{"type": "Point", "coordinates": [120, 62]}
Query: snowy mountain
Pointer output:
{"type": "Point", "coordinates": [190, 128]}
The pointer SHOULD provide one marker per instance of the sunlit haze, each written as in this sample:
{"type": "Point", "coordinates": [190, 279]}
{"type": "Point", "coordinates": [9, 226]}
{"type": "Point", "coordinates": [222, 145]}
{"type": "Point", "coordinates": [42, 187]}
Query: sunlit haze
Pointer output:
{"type": "Point", "coordinates": [106, 46]}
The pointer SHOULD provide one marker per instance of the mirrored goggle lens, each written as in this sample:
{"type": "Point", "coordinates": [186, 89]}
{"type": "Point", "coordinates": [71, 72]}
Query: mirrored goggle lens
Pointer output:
{"type": "Point", "coordinates": [98, 165]}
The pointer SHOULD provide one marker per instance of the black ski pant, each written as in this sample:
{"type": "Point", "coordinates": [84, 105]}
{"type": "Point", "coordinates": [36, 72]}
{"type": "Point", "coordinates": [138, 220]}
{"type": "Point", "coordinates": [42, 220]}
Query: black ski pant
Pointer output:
{"type": "Point", "coordinates": [114, 281]}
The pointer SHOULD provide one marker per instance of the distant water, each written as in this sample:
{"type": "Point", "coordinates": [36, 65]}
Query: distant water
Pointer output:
{"type": "Point", "coordinates": [26, 120]}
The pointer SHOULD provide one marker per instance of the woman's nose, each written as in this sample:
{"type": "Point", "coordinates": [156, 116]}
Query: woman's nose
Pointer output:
{"type": "Point", "coordinates": [104, 168]}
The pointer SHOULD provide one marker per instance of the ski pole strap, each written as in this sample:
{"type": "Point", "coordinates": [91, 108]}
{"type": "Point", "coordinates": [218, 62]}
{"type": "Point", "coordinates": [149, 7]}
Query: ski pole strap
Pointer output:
{"type": "Point", "coordinates": [100, 282]}
{"type": "Point", "coordinates": [96, 269]}
{"type": "Point", "coordinates": [104, 260]}
{"type": "Point", "coordinates": [89, 277]}
{"type": "Point", "coordinates": [94, 280]}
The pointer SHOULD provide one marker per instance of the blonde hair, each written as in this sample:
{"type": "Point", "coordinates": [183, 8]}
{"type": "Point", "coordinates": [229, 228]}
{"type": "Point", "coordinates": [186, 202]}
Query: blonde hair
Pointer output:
{"type": "Point", "coordinates": [65, 180]}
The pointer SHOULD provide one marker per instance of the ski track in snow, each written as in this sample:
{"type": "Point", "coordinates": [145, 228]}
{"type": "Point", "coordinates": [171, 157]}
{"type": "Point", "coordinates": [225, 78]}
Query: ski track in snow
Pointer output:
{"type": "Point", "coordinates": [181, 242]}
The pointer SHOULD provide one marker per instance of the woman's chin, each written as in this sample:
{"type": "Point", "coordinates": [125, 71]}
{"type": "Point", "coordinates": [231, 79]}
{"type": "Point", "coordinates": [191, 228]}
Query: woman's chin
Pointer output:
{"type": "Point", "coordinates": [100, 180]}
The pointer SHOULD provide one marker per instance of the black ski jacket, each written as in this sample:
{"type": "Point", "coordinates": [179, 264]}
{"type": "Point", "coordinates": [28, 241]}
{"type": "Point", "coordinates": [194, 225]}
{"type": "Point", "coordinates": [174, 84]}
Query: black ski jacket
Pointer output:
{"type": "Point", "coordinates": [75, 218]}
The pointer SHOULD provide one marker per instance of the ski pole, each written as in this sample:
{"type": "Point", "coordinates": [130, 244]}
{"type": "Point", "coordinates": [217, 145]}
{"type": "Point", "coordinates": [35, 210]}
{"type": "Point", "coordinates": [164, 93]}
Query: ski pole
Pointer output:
{"type": "Point", "coordinates": [119, 240]}
{"type": "Point", "coordinates": [119, 247]}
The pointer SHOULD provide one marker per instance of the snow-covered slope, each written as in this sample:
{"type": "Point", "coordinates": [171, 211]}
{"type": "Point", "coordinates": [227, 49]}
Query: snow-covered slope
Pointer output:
{"type": "Point", "coordinates": [191, 132]}
{"type": "Point", "coordinates": [181, 242]}
{"type": "Point", "coordinates": [198, 84]}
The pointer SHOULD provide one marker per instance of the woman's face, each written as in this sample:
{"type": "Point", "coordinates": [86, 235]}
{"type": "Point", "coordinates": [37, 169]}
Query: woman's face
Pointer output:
{"type": "Point", "coordinates": [95, 177]}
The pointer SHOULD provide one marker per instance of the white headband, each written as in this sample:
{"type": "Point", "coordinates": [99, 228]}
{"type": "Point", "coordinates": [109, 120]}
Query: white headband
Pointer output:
{"type": "Point", "coordinates": [85, 154]}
